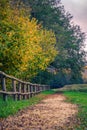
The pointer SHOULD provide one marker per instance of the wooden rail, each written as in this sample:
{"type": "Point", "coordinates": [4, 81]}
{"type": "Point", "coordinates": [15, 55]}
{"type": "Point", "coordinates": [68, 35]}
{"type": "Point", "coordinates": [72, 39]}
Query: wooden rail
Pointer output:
{"type": "Point", "coordinates": [18, 89]}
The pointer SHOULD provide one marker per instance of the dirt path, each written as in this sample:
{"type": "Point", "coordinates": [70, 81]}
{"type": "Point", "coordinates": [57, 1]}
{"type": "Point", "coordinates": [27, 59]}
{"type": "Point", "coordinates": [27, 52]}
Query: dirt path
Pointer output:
{"type": "Point", "coordinates": [53, 113]}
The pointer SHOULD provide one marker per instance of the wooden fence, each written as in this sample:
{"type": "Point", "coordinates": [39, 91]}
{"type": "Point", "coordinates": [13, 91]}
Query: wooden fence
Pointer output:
{"type": "Point", "coordinates": [18, 89]}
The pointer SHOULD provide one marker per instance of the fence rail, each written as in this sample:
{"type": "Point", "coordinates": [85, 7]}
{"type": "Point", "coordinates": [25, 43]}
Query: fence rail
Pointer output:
{"type": "Point", "coordinates": [18, 89]}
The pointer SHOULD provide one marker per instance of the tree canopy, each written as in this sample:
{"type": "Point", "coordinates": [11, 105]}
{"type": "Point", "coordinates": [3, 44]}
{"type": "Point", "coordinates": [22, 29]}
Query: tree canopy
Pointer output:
{"type": "Point", "coordinates": [24, 43]}
{"type": "Point", "coordinates": [36, 34]}
{"type": "Point", "coordinates": [69, 37]}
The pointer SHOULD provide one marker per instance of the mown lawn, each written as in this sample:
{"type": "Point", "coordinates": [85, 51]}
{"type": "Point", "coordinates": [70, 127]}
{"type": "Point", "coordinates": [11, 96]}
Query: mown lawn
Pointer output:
{"type": "Point", "coordinates": [11, 107]}
{"type": "Point", "coordinates": [79, 98]}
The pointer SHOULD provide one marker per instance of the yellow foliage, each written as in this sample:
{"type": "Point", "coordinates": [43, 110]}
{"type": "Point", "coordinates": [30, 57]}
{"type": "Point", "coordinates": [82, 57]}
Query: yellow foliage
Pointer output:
{"type": "Point", "coordinates": [85, 67]}
{"type": "Point", "coordinates": [26, 46]}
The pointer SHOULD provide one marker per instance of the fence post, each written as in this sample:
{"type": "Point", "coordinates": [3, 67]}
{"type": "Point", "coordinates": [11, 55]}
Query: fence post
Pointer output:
{"type": "Point", "coordinates": [38, 89]}
{"type": "Point", "coordinates": [44, 88]}
{"type": "Point", "coordinates": [19, 90]}
{"type": "Point", "coordinates": [14, 89]}
{"type": "Point", "coordinates": [4, 88]}
{"type": "Point", "coordinates": [35, 89]}
{"type": "Point", "coordinates": [31, 91]}
{"type": "Point", "coordinates": [24, 90]}
{"type": "Point", "coordinates": [28, 89]}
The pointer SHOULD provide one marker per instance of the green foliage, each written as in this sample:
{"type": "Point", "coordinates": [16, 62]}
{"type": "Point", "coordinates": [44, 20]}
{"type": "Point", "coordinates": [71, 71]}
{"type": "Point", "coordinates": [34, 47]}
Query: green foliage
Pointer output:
{"type": "Point", "coordinates": [43, 77]}
{"type": "Point", "coordinates": [36, 35]}
{"type": "Point", "coordinates": [59, 80]}
{"type": "Point", "coordinates": [69, 37]}
{"type": "Point", "coordinates": [24, 43]}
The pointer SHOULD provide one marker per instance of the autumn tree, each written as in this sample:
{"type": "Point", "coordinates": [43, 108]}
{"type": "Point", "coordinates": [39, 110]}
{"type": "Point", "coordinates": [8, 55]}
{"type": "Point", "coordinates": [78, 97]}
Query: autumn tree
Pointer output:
{"type": "Point", "coordinates": [24, 43]}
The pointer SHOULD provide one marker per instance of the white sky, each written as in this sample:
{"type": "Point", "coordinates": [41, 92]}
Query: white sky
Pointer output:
{"type": "Point", "coordinates": [78, 9]}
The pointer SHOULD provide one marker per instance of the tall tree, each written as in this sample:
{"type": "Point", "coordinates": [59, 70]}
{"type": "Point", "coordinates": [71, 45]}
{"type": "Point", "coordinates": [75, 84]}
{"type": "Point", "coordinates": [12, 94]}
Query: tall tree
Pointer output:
{"type": "Point", "coordinates": [69, 37]}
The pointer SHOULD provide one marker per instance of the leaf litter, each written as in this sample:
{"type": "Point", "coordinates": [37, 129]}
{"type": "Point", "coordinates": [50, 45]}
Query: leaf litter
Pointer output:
{"type": "Point", "coordinates": [52, 113]}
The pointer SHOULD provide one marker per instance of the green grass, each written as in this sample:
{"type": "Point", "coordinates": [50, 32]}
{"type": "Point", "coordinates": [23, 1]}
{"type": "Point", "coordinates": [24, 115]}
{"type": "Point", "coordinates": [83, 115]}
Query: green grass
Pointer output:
{"type": "Point", "coordinates": [78, 96]}
{"type": "Point", "coordinates": [74, 95]}
{"type": "Point", "coordinates": [11, 107]}
{"type": "Point", "coordinates": [74, 87]}
{"type": "Point", "coordinates": [48, 92]}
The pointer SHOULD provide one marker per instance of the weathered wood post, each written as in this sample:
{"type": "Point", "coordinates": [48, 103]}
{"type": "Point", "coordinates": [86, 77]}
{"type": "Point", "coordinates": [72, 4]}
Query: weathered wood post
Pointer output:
{"type": "Point", "coordinates": [38, 89]}
{"type": "Point", "coordinates": [31, 91]}
{"type": "Point", "coordinates": [3, 84]}
{"type": "Point", "coordinates": [24, 90]}
{"type": "Point", "coordinates": [14, 89]}
{"type": "Point", "coordinates": [28, 89]}
{"type": "Point", "coordinates": [35, 89]}
{"type": "Point", "coordinates": [44, 88]}
{"type": "Point", "coordinates": [19, 90]}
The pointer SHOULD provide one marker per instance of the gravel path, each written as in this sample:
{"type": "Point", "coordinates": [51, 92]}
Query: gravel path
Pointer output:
{"type": "Point", "coordinates": [53, 113]}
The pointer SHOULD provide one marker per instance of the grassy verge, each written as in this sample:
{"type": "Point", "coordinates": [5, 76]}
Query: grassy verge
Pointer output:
{"type": "Point", "coordinates": [12, 107]}
{"type": "Point", "coordinates": [79, 98]}
{"type": "Point", "coordinates": [74, 87]}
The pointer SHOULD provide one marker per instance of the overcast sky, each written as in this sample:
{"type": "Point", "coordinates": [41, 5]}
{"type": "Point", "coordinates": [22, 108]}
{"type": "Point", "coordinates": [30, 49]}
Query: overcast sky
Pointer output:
{"type": "Point", "coordinates": [78, 9]}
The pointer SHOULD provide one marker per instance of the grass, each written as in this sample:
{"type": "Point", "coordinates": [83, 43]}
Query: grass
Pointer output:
{"type": "Point", "coordinates": [74, 87]}
{"type": "Point", "coordinates": [11, 107]}
{"type": "Point", "coordinates": [78, 96]}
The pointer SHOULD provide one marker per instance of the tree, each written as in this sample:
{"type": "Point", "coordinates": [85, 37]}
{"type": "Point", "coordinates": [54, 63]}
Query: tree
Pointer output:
{"type": "Point", "coordinates": [69, 37]}
{"type": "Point", "coordinates": [23, 43]}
